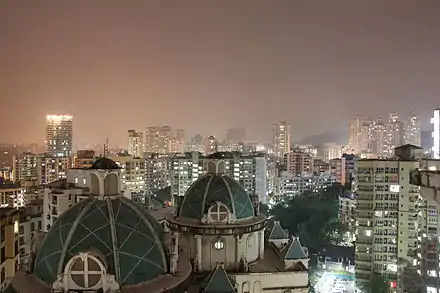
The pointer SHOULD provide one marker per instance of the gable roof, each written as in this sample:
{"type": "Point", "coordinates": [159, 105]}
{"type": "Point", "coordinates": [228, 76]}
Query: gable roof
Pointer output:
{"type": "Point", "coordinates": [294, 250]}
{"type": "Point", "coordinates": [218, 282]}
{"type": "Point", "coordinates": [277, 232]}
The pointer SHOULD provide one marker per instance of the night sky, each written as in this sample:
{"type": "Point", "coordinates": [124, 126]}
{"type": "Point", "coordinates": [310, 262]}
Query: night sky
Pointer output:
{"type": "Point", "coordinates": [208, 65]}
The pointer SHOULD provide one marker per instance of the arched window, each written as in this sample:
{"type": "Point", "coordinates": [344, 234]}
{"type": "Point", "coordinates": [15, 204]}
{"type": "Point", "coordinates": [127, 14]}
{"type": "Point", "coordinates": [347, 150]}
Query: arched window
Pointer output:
{"type": "Point", "coordinates": [86, 271]}
{"type": "Point", "coordinates": [218, 212]}
{"type": "Point", "coordinates": [111, 184]}
{"type": "Point", "coordinates": [94, 184]}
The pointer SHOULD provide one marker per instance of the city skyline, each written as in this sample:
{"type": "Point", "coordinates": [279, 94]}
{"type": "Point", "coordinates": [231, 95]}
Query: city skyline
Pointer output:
{"type": "Point", "coordinates": [160, 63]}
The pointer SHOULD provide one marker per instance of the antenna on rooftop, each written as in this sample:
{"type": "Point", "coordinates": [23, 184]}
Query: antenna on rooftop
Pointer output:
{"type": "Point", "coordinates": [106, 152]}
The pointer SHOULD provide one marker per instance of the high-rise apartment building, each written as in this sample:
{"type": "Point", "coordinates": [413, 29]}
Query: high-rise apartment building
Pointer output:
{"type": "Point", "coordinates": [25, 167]}
{"type": "Point", "coordinates": [195, 144]}
{"type": "Point", "coordinates": [132, 172]}
{"type": "Point", "coordinates": [177, 141]}
{"type": "Point", "coordinates": [435, 121]}
{"type": "Point", "coordinates": [84, 159]}
{"type": "Point", "coordinates": [135, 143]}
{"type": "Point", "coordinates": [377, 138]}
{"type": "Point", "coordinates": [329, 151]}
{"type": "Point", "coordinates": [211, 145]}
{"type": "Point", "coordinates": [157, 139]}
{"type": "Point", "coordinates": [51, 168]}
{"type": "Point", "coordinates": [358, 135]}
{"type": "Point", "coordinates": [157, 172]}
{"type": "Point", "coordinates": [395, 133]}
{"type": "Point", "coordinates": [281, 138]}
{"type": "Point", "coordinates": [412, 134]}
{"type": "Point", "coordinates": [59, 135]}
{"type": "Point", "coordinates": [429, 224]}
{"type": "Point", "coordinates": [299, 163]}
{"type": "Point", "coordinates": [10, 257]}
{"type": "Point", "coordinates": [286, 184]}
{"type": "Point", "coordinates": [387, 216]}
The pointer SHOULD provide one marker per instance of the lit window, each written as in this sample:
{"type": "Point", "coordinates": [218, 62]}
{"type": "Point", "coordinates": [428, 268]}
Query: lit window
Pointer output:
{"type": "Point", "coordinates": [219, 244]}
{"type": "Point", "coordinates": [394, 188]}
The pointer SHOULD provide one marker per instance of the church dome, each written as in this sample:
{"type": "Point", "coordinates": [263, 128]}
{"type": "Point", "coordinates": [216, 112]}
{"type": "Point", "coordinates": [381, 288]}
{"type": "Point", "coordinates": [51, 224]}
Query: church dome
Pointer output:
{"type": "Point", "coordinates": [104, 164]}
{"type": "Point", "coordinates": [126, 237]}
{"type": "Point", "coordinates": [216, 188]}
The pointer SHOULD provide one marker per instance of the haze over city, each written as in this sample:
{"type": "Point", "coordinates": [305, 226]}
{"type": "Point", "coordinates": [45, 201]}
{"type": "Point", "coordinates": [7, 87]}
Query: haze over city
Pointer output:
{"type": "Point", "coordinates": [205, 66]}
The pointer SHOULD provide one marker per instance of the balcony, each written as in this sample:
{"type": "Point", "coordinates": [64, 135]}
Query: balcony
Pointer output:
{"type": "Point", "coordinates": [429, 181]}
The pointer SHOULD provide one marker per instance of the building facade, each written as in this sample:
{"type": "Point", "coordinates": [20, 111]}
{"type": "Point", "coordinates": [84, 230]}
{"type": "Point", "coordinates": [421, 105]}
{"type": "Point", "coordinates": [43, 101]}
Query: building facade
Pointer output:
{"type": "Point", "coordinates": [135, 143]}
{"type": "Point", "coordinates": [157, 139]}
{"type": "Point", "coordinates": [387, 216]}
{"type": "Point", "coordinates": [59, 135]}
{"type": "Point", "coordinates": [9, 253]}
{"type": "Point", "coordinates": [281, 136]}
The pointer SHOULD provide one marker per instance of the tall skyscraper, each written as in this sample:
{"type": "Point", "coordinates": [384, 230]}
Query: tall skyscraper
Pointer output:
{"type": "Point", "coordinates": [387, 216]}
{"type": "Point", "coordinates": [413, 134]}
{"type": "Point", "coordinates": [157, 139]}
{"type": "Point", "coordinates": [135, 143]}
{"type": "Point", "coordinates": [281, 138]}
{"type": "Point", "coordinates": [177, 141]}
{"type": "Point", "coordinates": [211, 145]}
{"type": "Point", "coordinates": [435, 121]}
{"type": "Point", "coordinates": [395, 133]}
{"type": "Point", "coordinates": [359, 134]}
{"type": "Point", "coordinates": [59, 135]}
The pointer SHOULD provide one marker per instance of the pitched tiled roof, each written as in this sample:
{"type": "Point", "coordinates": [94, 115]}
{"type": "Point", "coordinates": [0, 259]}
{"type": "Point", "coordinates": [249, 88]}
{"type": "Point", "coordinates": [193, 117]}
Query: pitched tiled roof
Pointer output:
{"type": "Point", "coordinates": [294, 250]}
{"type": "Point", "coordinates": [277, 232]}
{"type": "Point", "coordinates": [218, 282]}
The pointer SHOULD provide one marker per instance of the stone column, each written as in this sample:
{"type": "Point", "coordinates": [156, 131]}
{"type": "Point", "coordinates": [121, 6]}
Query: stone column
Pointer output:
{"type": "Point", "coordinates": [237, 249]}
{"type": "Point", "coordinates": [261, 244]}
{"type": "Point", "coordinates": [199, 251]}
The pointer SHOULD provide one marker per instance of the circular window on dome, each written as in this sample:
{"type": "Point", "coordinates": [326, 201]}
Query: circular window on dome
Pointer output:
{"type": "Point", "coordinates": [218, 244]}
{"type": "Point", "coordinates": [86, 271]}
{"type": "Point", "coordinates": [219, 212]}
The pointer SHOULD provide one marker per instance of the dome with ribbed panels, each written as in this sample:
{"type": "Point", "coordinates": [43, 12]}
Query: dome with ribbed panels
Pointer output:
{"type": "Point", "coordinates": [122, 232]}
{"type": "Point", "coordinates": [212, 188]}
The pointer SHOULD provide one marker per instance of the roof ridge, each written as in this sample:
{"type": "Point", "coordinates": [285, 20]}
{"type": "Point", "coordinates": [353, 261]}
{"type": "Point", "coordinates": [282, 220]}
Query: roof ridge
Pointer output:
{"type": "Point", "coordinates": [277, 232]}
{"type": "Point", "coordinates": [218, 281]}
{"type": "Point", "coordinates": [294, 250]}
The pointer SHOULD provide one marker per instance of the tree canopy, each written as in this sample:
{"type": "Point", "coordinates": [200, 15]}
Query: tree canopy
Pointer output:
{"type": "Point", "coordinates": [312, 216]}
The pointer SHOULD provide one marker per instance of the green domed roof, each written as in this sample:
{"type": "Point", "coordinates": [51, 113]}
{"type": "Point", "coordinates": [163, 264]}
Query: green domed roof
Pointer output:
{"type": "Point", "coordinates": [211, 188]}
{"type": "Point", "coordinates": [121, 231]}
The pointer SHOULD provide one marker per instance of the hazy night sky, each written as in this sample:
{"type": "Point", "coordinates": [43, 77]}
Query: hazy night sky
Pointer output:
{"type": "Point", "coordinates": [208, 65]}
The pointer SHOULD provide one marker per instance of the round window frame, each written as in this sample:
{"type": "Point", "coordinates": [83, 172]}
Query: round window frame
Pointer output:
{"type": "Point", "coordinates": [218, 244]}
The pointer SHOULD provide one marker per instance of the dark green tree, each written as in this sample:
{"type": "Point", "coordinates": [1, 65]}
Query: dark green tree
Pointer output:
{"type": "Point", "coordinates": [377, 284]}
{"type": "Point", "coordinates": [312, 216]}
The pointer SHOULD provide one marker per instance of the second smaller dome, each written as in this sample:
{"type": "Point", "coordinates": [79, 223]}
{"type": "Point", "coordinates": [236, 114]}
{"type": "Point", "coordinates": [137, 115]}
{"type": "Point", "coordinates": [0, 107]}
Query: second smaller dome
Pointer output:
{"type": "Point", "coordinates": [216, 188]}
